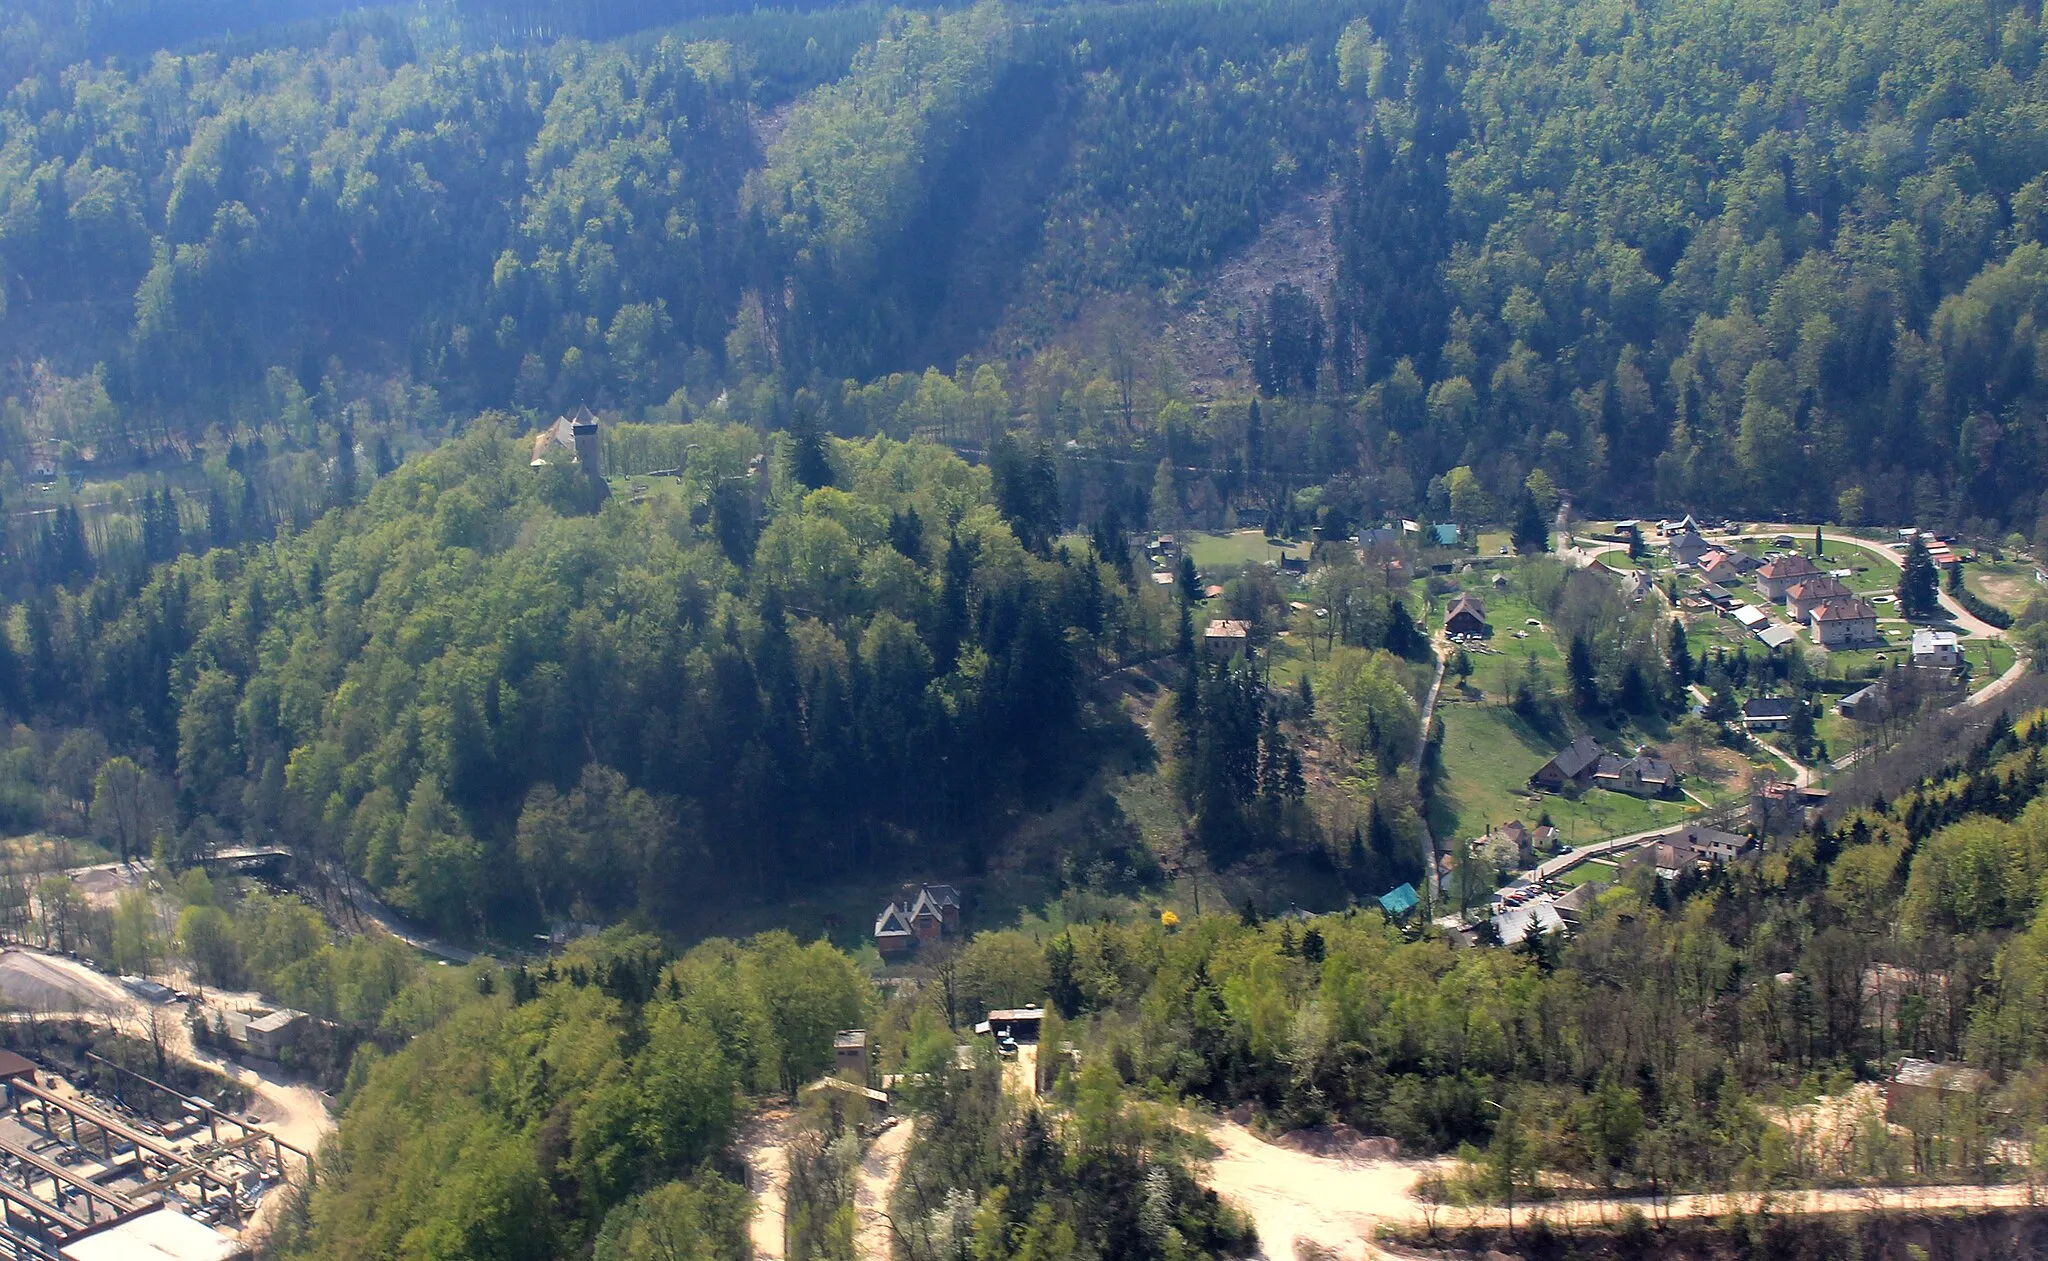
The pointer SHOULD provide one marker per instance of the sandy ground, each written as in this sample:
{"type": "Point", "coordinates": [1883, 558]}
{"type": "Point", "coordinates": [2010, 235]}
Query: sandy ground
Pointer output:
{"type": "Point", "coordinates": [1330, 1201]}
{"type": "Point", "coordinates": [875, 1235]}
{"type": "Point", "coordinates": [1335, 1203]}
{"type": "Point", "coordinates": [764, 1148]}
{"type": "Point", "coordinates": [1020, 1075]}
{"type": "Point", "coordinates": [34, 982]}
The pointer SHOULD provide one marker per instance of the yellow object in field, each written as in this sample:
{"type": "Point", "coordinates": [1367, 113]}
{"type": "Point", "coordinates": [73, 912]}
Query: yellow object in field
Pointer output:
{"type": "Point", "coordinates": [1168, 920]}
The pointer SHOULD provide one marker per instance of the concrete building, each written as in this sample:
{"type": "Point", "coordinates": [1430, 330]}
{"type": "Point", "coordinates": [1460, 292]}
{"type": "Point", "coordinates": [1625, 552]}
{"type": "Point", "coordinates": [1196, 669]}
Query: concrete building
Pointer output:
{"type": "Point", "coordinates": [1802, 598]}
{"type": "Point", "coordinates": [850, 1056]}
{"type": "Point", "coordinates": [269, 1035]}
{"type": "Point", "coordinates": [1227, 637]}
{"type": "Point", "coordinates": [1925, 1084]}
{"type": "Point", "coordinates": [1937, 649]}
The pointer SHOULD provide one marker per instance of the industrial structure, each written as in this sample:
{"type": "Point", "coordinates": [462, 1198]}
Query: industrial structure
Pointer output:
{"type": "Point", "coordinates": [137, 1173]}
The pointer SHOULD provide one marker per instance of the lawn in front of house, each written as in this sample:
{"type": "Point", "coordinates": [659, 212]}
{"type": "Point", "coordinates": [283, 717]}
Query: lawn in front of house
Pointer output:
{"type": "Point", "coordinates": [1489, 754]}
{"type": "Point", "coordinates": [1214, 554]}
{"type": "Point", "coordinates": [1988, 659]}
{"type": "Point", "coordinates": [1592, 871]}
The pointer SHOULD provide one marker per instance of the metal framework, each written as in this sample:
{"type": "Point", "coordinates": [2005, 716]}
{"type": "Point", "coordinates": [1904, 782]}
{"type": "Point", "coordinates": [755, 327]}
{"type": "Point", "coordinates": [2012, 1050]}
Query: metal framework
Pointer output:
{"type": "Point", "coordinates": [178, 1168]}
{"type": "Point", "coordinates": [251, 1135]}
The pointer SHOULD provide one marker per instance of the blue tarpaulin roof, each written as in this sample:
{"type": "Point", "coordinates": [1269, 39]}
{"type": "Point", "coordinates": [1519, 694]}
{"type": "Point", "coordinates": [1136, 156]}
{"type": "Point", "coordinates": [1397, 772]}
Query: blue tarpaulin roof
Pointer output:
{"type": "Point", "coordinates": [1398, 901]}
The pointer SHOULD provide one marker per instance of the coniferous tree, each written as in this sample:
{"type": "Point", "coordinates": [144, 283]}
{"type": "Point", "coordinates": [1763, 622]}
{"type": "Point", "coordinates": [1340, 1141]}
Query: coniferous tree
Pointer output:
{"type": "Point", "coordinates": [1917, 581]}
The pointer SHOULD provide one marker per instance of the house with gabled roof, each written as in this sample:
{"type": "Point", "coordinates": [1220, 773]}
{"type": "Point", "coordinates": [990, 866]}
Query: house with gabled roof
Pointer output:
{"type": "Point", "coordinates": [1638, 776]}
{"type": "Point", "coordinates": [1808, 594]}
{"type": "Point", "coordinates": [893, 934]}
{"type": "Point", "coordinates": [1778, 577]}
{"type": "Point", "coordinates": [1573, 766]}
{"type": "Point", "coordinates": [1844, 623]}
{"type": "Point", "coordinates": [1688, 548]}
{"type": "Point", "coordinates": [1720, 569]}
{"type": "Point", "coordinates": [1467, 616]}
{"type": "Point", "coordinates": [919, 918]}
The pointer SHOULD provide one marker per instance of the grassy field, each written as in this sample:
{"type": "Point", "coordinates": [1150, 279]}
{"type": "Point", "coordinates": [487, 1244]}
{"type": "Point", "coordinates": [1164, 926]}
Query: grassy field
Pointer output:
{"type": "Point", "coordinates": [1214, 553]}
{"type": "Point", "coordinates": [2005, 583]}
{"type": "Point", "coordinates": [1988, 659]}
{"type": "Point", "coordinates": [1592, 871]}
{"type": "Point", "coordinates": [1489, 754]}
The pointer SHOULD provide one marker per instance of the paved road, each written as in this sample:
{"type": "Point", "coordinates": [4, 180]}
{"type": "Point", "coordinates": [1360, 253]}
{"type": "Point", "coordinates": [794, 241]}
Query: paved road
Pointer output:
{"type": "Point", "coordinates": [1438, 648]}
{"type": "Point", "coordinates": [367, 904]}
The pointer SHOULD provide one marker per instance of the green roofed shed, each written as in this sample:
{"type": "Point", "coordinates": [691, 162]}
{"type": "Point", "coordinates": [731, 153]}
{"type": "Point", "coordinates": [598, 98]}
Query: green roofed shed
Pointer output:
{"type": "Point", "coordinates": [1398, 902]}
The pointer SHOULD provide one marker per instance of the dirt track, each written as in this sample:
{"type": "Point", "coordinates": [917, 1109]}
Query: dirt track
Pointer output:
{"type": "Point", "coordinates": [875, 1235]}
{"type": "Point", "coordinates": [1337, 1203]}
{"type": "Point", "coordinates": [764, 1149]}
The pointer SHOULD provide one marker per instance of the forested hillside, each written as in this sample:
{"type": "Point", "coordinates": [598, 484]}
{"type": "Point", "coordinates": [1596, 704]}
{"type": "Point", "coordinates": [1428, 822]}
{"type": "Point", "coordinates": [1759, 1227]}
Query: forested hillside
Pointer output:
{"type": "Point", "coordinates": [495, 701]}
{"type": "Point", "coordinates": [1698, 1034]}
{"type": "Point", "coordinates": [1753, 256]}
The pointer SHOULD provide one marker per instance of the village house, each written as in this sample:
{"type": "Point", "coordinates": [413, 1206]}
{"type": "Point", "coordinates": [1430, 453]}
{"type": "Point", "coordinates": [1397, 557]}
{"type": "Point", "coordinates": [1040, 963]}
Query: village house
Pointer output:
{"type": "Point", "coordinates": [1399, 901]}
{"type": "Point", "coordinates": [1635, 585]}
{"type": "Point", "coordinates": [1768, 713]}
{"type": "Point", "coordinates": [1688, 548]}
{"type": "Point", "coordinates": [1862, 702]}
{"type": "Point", "coordinates": [1573, 767]}
{"type": "Point", "coordinates": [1638, 776]}
{"type": "Point", "coordinates": [1844, 623]}
{"type": "Point", "coordinates": [931, 913]}
{"type": "Point", "coordinates": [1467, 616]}
{"type": "Point", "coordinates": [1516, 924]}
{"type": "Point", "coordinates": [1936, 649]}
{"type": "Point", "coordinates": [1803, 597]}
{"type": "Point", "coordinates": [1227, 638]}
{"type": "Point", "coordinates": [1720, 569]}
{"type": "Point", "coordinates": [1694, 849]}
{"type": "Point", "coordinates": [1782, 574]}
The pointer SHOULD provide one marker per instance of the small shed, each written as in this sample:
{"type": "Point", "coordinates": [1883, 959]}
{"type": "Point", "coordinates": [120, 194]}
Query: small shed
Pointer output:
{"type": "Point", "coordinates": [1019, 1023]}
{"type": "Point", "coordinates": [1924, 1082]}
{"type": "Point", "coordinates": [1398, 902]}
{"type": "Point", "coordinates": [272, 1033]}
{"type": "Point", "coordinates": [850, 1056]}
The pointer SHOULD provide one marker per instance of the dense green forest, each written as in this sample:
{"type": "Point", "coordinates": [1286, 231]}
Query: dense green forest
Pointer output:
{"type": "Point", "coordinates": [493, 699]}
{"type": "Point", "coordinates": [1665, 1047]}
{"type": "Point", "coordinates": [1754, 257]}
